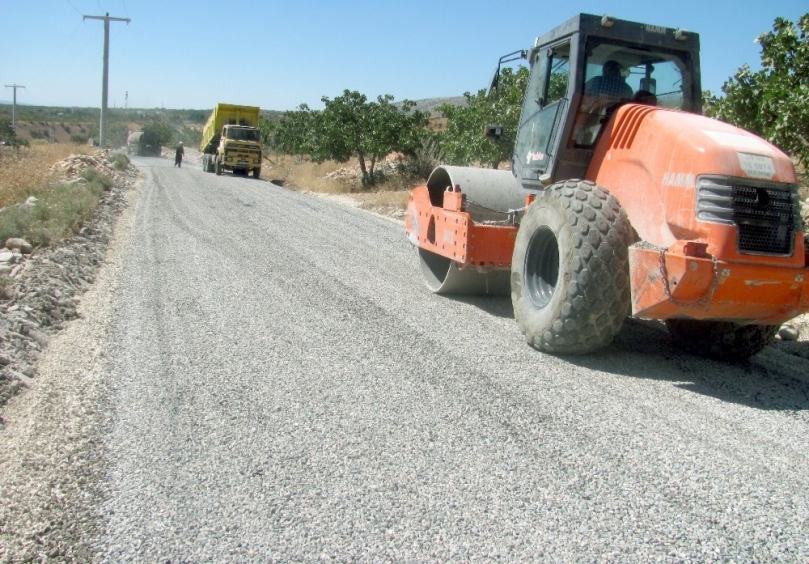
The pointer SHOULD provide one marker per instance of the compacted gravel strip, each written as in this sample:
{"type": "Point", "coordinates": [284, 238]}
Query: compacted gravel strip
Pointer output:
{"type": "Point", "coordinates": [284, 388]}
{"type": "Point", "coordinates": [272, 381]}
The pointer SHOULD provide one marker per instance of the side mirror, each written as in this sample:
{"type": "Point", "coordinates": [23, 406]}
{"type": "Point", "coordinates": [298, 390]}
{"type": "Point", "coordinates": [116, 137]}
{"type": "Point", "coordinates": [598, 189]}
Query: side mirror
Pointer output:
{"type": "Point", "coordinates": [493, 132]}
{"type": "Point", "coordinates": [521, 54]}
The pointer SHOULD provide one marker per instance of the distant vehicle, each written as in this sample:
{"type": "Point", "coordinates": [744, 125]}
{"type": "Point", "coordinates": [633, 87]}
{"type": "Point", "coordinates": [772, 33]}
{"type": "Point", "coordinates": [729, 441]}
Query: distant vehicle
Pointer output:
{"type": "Point", "coordinates": [143, 144]}
{"type": "Point", "coordinates": [231, 140]}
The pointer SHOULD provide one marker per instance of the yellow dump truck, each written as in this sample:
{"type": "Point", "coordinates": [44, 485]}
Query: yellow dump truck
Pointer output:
{"type": "Point", "coordinates": [231, 140]}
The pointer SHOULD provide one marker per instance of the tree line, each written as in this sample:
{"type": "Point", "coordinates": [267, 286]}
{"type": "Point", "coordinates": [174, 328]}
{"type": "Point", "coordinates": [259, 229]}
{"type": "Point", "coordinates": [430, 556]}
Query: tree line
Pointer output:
{"type": "Point", "coordinates": [772, 102]}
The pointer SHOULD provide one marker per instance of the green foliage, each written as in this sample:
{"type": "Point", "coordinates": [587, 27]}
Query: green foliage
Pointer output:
{"type": "Point", "coordinates": [6, 131]}
{"type": "Point", "coordinates": [428, 156]}
{"type": "Point", "coordinates": [117, 134]}
{"type": "Point", "coordinates": [119, 161]}
{"type": "Point", "coordinates": [92, 176]}
{"type": "Point", "coordinates": [773, 102]}
{"type": "Point", "coordinates": [7, 134]}
{"type": "Point", "coordinates": [58, 213]}
{"type": "Point", "coordinates": [79, 139]}
{"type": "Point", "coordinates": [349, 126]}
{"type": "Point", "coordinates": [163, 131]}
{"type": "Point", "coordinates": [463, 143]}
{"type": "Point", "coordinates": [190, 136]}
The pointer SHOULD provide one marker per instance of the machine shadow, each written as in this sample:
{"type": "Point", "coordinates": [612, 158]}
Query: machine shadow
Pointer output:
{"type": "Point", "coordinates": [775, 379]}
{"type": "Point", "coordinates": [498, 306]}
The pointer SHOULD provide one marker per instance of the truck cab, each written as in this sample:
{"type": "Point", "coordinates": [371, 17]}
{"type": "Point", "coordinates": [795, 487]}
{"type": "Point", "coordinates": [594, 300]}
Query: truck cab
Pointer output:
{"type": "Point", "coordinates": [231, 140]}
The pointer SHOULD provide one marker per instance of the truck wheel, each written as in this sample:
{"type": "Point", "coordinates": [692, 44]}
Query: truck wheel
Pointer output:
{"type": "Point", "coordinates": [257, 172]}
{"type": "Point", "coordinates": [721, 340]}
{"type": "Point", "coordinates": [217, 166]}
{"type": "Point", "coordinates": [570, 269]}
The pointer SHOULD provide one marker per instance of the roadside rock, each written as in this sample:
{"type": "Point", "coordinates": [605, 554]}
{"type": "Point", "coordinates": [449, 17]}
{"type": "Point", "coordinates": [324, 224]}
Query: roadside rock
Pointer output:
{"type": "Point", "coordinates": [789, 332]}
{"type": "Point", "coordinates": [20, 244]}
{"type": "Point", "coordinates": [45, 285]}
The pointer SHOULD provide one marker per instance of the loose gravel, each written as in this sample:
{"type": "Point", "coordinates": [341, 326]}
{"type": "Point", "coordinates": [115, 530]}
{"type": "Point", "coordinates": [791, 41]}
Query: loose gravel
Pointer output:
{"type": "Point", "coordinates": [257, 375]}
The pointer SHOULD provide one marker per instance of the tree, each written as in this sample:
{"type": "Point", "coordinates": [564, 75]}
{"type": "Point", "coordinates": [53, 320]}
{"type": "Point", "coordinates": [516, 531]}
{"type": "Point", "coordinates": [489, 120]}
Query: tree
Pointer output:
{"type": "Point", "coordinates": [6, 131]}
{"type": "Point", "coordinates": [463, 143]}
{"type": "Point", "coordinates": [162, 130]}
{"type": "Point", "coordinates": [774, 101]}
{"type": "Point", "coordinates": [7, 134]}
{"type": "Point", "coordinates": [349, 126]}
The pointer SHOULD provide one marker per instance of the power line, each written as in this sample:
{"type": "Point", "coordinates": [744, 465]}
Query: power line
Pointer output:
{"type": "Point", "coordinates": [74, 7]}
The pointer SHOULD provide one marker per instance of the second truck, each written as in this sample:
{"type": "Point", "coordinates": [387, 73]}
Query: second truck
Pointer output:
{"type": "Point", "coordinates": [231, 140]}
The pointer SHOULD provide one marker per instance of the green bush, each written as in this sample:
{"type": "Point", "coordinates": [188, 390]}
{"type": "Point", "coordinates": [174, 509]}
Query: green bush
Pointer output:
{"type": "Point", "coordinates": [92, 176]}
{"type": "Point", "coordinates": [79, 139]}
{"type": "Point", "coordinates": [119, 161]}
{"type": "Point", "coordinates": [58, 213]}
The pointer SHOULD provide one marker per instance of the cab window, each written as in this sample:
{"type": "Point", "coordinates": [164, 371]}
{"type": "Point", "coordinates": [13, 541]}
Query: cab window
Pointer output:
{"type": "Point", "coordinates": [617, 74]}
{"type": "Point", "coordinates": [543, 107]}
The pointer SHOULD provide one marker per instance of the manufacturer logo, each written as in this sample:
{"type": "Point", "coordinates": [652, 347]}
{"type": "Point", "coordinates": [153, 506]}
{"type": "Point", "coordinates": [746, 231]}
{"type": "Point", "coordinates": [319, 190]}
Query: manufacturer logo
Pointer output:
{"type": "Point", "coordinates": [534, 156]}
{"type": "Point", "coordinates": [678, 179]}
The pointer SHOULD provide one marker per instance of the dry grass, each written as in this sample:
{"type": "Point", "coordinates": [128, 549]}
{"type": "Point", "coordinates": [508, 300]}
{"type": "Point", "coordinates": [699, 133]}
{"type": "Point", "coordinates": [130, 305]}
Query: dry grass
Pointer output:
{"type": "Point", "coordinates": [27, 173]}
{"type": "Point", "coordinates": [383, 199]}
{"type": "Point", "coordinates": [302, 174]}
{"type": "Point", "coordinates": [59, 209]}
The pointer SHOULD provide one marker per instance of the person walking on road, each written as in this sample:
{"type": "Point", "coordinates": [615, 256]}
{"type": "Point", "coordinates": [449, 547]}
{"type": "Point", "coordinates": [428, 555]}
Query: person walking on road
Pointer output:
{"type": "Point", "coordinates": [178, 155]}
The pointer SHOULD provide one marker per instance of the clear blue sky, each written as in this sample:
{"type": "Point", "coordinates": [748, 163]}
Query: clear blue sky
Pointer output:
{"type": "Point", "coordinates": [277, 55]}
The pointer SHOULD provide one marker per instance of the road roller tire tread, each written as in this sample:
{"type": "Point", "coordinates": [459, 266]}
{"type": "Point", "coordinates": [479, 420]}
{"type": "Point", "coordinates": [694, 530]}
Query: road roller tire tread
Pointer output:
{"type": "Point", "coordinates": [589, 299]}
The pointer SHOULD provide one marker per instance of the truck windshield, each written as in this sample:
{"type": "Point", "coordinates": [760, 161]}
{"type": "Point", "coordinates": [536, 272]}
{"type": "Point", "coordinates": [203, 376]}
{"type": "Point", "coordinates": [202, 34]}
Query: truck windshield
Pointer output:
{"type": "Point", "coordinates": [243, 134]}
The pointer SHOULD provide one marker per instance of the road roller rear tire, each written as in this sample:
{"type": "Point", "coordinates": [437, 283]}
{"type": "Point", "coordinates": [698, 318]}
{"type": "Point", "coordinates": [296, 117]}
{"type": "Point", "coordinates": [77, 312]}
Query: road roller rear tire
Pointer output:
{"type": "Point", "coordinates": [570, 269]}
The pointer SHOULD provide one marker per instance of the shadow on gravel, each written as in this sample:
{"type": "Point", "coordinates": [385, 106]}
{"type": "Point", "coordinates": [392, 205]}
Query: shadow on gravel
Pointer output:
{"type": "Point", "coordinates": [496, 306]}
{"type": "Point", "coordinates": [777, 378]}
{"type": "Point", "coordinates": [277, 182]}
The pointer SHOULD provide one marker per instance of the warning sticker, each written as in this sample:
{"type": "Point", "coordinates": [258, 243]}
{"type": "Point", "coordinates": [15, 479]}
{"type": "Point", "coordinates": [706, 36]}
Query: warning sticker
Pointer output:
{"type": "Point", "coordinates": [756, 166]}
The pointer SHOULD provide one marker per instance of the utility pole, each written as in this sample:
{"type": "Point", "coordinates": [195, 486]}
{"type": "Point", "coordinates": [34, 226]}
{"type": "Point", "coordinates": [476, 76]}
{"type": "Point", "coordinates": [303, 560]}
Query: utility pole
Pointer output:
{"type": "Point", "coordinates": [14, 107]}
{"type": "Point", "coordinates": [102, 129]}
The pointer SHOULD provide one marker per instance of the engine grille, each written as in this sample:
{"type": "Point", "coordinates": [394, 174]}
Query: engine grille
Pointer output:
{"type": "Point", "coordinates": [766, 214]}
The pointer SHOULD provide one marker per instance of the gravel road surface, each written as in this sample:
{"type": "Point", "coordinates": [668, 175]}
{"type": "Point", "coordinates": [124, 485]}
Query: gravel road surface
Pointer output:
{"type": "Point", "coordinates": [272, 381]}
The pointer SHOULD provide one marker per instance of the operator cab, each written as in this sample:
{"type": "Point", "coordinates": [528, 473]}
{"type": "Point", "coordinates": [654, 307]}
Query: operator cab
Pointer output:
{"type": "Point", "coordinates": [581, 72]}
